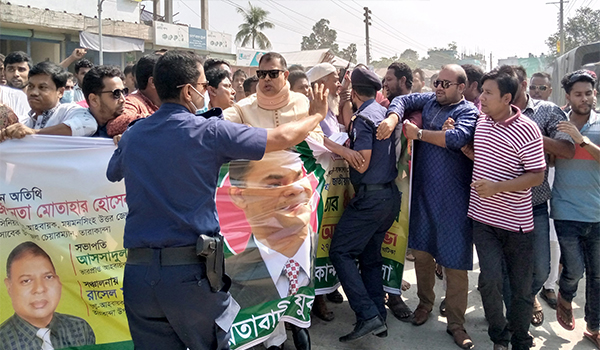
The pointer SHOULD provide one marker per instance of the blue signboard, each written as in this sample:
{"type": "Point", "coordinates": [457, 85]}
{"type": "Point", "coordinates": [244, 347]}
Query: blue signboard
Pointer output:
{"type": "Point", "coordinates": [197, 39]}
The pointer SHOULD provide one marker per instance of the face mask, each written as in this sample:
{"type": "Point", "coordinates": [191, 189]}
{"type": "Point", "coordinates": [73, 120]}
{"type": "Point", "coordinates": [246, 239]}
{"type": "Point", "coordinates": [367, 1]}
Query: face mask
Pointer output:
{"type": "Point", "coordinates": [203, 109]}
{"type": "Point", "coordinates": [67, 97]}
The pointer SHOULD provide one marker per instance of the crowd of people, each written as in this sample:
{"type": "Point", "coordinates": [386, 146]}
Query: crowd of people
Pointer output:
{"type": "Point", "coordinates": [483, 146]}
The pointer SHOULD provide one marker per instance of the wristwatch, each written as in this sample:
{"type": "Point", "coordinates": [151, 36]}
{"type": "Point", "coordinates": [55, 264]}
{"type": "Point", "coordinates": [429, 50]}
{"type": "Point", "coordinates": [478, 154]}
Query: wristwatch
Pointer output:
{"type": "Point", "coordinates": [420, 134]}
{"type": "Point", "coordinates": [585, 142]}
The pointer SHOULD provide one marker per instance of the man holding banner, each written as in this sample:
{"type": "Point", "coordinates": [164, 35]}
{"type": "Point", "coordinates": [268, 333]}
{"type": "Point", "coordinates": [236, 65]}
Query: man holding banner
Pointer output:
{"type": "Point", "coordinates": [170, 298]}
{"type": "Point", "coordinates": [364, 223]}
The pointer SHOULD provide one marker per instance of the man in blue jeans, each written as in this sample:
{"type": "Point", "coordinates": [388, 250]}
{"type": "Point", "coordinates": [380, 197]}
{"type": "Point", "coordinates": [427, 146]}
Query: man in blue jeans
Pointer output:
{"type": "Point", "coordinates": [576, 206]}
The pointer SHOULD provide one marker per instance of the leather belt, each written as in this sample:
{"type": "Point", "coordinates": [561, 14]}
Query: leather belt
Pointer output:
{"type": "Point", "coordinates": [172, 256]}
{"type": "Point", "coordinates": [374, 187]}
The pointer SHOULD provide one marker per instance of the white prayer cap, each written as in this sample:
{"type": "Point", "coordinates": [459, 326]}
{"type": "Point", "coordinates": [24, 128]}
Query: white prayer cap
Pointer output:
{"type": "Point", "coordinates": [319, 71]}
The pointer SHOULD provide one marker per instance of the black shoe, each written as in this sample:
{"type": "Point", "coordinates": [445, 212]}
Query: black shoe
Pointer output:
{"type": "Point", "coordinates": [280, 347]}
{"type": "Point", "coordinates": [374, 325]}
{"type": "Point", "coordinates": [335, 297]}
{"type": "Point", "coordinates": [301, 338]}
{"type": "Point", "coordinates": [443, 308]}
{"type": "Point", "coordinates": [383, 334]}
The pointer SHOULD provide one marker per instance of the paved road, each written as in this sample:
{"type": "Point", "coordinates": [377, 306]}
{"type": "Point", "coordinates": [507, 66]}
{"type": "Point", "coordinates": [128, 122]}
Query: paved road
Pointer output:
{"type": "Point", "coordinates": [432, 335]}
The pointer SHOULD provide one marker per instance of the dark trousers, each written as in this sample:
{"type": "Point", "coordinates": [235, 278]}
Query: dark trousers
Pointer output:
{"type": "Point", "coordinates": [359, 235]}
{"type": "Point", "coordinates": [495, 246]}
{"type": "Point", "coordinates": [580, 249]}
{"type": "Point", "coordinates": [172, 307]}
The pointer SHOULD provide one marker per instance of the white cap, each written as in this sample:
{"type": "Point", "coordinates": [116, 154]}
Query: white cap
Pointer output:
{"type": "Point", "coordinates": [319, 71]}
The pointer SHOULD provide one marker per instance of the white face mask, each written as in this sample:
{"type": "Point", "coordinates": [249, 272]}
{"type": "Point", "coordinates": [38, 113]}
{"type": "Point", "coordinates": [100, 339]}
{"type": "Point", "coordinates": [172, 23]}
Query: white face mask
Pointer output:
{"type": "Point", "coordinates": [203, 109]}
{"type": "Point", "coordinates": [68, 96]}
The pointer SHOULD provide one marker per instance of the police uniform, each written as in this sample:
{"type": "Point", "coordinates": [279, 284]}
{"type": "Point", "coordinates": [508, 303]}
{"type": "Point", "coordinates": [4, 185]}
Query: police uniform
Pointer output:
{"type": "Point", "coordinates": [362, 228]}
{"type": "Point", "coordinates": [171, 162]}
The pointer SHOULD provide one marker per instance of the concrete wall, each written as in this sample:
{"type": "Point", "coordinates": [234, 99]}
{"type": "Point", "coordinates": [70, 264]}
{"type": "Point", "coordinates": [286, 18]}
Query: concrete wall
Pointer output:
{"type": "Point", "coordinates": [42, 51]}
{"type": "Point", "coordinates": [119, 10]}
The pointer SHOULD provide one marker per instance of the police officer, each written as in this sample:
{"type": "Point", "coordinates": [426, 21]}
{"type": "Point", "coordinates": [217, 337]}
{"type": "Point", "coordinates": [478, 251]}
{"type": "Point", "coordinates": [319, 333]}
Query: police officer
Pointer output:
{"type": "Point", "coordinates": [361, 229]}
{"type": "Point", "coordinates": [170, 162]}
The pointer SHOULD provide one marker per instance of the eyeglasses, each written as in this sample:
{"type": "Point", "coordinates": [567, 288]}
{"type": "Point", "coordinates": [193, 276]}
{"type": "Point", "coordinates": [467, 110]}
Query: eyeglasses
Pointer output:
{"type": "Point", "coordinates": [538, 87]}
{"type": "Point", "coordinates": [204, 85]}
{"type": "Point", "coordinates": [445, 83]}
{"type": "Point", "coordinates": [273, 73]}
{"type": "Point", "coordinates": [116, 93]}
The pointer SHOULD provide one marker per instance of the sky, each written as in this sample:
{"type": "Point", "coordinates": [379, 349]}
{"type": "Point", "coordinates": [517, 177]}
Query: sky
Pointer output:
{"type": "Point", "coordinates": [503, 28]}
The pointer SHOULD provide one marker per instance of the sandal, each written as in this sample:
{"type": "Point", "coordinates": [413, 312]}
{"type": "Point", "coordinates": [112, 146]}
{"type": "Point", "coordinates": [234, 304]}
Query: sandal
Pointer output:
{"type": "Point", "coordinates": [538, 314]}
{"type": "Point", "coordinates": [561, 310]}
{"type": "Point", "coordinates": [399, 308]}
{"type": "Point", "coordinates": [593, 337]}
{"type": "Point", "coordinates": [405, 285]}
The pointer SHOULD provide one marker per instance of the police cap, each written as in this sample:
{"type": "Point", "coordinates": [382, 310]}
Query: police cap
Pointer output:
{"type": "Point", "coordinates": [365, 78]}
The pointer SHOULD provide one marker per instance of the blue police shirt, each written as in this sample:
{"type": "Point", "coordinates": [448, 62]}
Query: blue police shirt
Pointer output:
{"type": "Point", "coordinates": [171, 162]}
{"type": "Point", "coordinates": [382, 167]}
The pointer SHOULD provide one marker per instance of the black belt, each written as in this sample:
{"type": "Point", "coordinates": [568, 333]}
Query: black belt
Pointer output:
{"type": "Point", "coordinates": [374, 187]}
{"type": "Point", "coordinates": [173, 256]}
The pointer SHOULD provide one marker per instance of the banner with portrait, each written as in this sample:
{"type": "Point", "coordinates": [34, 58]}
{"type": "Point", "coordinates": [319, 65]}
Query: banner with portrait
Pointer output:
{"type": "Point", "coordinates": [61, 231]}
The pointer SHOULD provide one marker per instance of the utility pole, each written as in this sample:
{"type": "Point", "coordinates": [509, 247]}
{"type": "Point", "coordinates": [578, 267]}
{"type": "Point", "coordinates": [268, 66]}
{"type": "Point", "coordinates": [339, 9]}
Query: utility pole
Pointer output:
{"type": "Point", "coordinates": [561, 42]}
{"type": "Point", "coordinates": [367, 24]}
{"type": "Point", "coordinates": [100, 41]}
{"type": "Point", "coordinates": [204, 14]}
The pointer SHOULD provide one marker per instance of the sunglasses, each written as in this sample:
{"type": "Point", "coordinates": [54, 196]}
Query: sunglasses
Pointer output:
{"type": "Point", "coordinates": [538, 87]}
{"type": "Point", "coordinates": [116, 93]}
{"type": "Point", "coordinates": [445, 83]}
{"type": "Point", "coordinates": [273, 73]}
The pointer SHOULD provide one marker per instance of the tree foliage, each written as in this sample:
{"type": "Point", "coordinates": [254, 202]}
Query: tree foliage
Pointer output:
{"type": "Point", "coordinates": [582, 29]}
{"type": "Point", "coordinates": [322, 37]}
{"type": "Point", "coordinates": [349, 53]}
{"type": "Point", "coordinates": [250, 32]}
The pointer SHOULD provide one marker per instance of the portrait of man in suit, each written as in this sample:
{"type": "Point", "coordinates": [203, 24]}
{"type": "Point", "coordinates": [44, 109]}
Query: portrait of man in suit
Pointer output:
{"type": "Point", "coordinates": [274, 194]}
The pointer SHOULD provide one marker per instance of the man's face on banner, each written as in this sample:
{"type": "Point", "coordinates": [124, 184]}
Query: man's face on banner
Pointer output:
{"type": "Point", "coordinates": [34, 289]}
{"type": "Point", "coordinates": [274, 196]}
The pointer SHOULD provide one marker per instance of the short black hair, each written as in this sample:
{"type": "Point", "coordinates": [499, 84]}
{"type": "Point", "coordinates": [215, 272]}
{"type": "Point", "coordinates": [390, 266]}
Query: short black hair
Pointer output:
{"type": "Point", "coordinates": [239, 72]}
{"type": "Point", "coordinates": [542, 75]}
{"type": "Point", "coordinates": [25, 248]}
{"type": "Point", "coordinates": [474, 74]}
{"type": "Point", "coordinates": [128, 69]}
{"type": "Point", "coordinates": [248, 83]}
{"type": "Point", "coordinates": [365, 91]}
{"type": "Point", "coordinates": [271, 56]}
{"type": "Point", "coordinates": [57, 73]}
{"type": "Point", "coordinates": [296, 67]}
{"type": "Point", "coordinates": [215, 76]}
{"type": "Point", "coordinates": [506, 78]}
{"type": "Point", "coordinates": [144, 69]}
{"type": "Point", "coordinates": [18, 57]}
{"type": "Point", "coordinates": [402, 69]}
{"type": "Point", "coordinates": [520, 72]}
{"type": "Point", "coordinates": [214, 63]}
{"type": "Point", "coordinates": [295, 76]}
{"type": "Point", "coordinates": [578, 76]}
{"type": "Point", "coordinates": [83, 63]}
{"type": "Point", "coordinates": [93, 82]}
{"type": "Point", "coordinates": [175, 69]}
{"type": "Point", "coordinates": [420, 72]}
{"type": "Point", "coordinates": [70, 76]}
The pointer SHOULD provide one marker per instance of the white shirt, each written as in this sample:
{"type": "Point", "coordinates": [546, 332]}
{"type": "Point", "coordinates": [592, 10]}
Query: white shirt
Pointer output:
{"type": "Point", "coordinates": [276, 261]}
{"type": "Point", "coordinates": [79, 119]}
{"type": "Point", "coordinates": [16, 100]}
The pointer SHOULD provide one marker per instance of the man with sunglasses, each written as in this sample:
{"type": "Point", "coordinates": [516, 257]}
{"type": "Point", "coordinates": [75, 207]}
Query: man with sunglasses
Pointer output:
{"type": "Point", "coordinates": [169, 301]}
{"type": "Point", "coordinates": [48, 116]}
{"type": "Point", "coordinates": [540, 86]}
{"type": "Point", "coordinates": [141, 104]}
{"type": "Point", "coordinates": [105, 94]}
{"type": "Point", "coordinates": [547, 116]}
{"type": "Point", "coordinates": [274, 103]}
{"type": "Point", "coordinates": [441, 186]}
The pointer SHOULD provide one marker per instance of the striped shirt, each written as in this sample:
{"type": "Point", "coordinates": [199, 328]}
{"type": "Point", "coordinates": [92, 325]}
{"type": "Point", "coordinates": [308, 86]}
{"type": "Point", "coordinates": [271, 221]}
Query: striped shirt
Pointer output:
{"type": "Point", "coordinates": [504, 151]}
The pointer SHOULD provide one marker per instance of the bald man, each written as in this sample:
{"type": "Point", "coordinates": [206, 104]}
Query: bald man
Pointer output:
{"type": "Point", "coordinates": [439, 226]}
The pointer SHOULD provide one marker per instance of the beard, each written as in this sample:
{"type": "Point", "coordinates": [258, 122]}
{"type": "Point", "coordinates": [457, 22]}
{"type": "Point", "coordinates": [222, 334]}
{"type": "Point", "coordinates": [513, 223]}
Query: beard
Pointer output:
{"type": "Point", "coordinates": [333, 102]}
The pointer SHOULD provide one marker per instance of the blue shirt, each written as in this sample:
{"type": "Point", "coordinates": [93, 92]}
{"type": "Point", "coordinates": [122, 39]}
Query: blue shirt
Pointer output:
{"type": "Point", "coordinates": [171, 162]}
{"type": "Point", "coordinates": [382, 167]}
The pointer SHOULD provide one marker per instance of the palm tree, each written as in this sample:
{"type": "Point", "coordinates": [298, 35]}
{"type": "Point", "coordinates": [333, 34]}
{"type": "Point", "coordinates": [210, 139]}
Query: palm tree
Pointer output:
{"type": "Point", "coordinates": [255, 20]}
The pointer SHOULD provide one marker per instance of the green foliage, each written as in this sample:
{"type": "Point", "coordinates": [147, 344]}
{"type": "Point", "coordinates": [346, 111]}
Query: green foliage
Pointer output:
{"type": "Point", "coordinates": [349, 53]}
{"type": "Point", "coordinates": [250, 32]}
{"type": "Point", "coordinates": [582, 29]}
{"type": "Point", "coordinates": [322, 37]}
